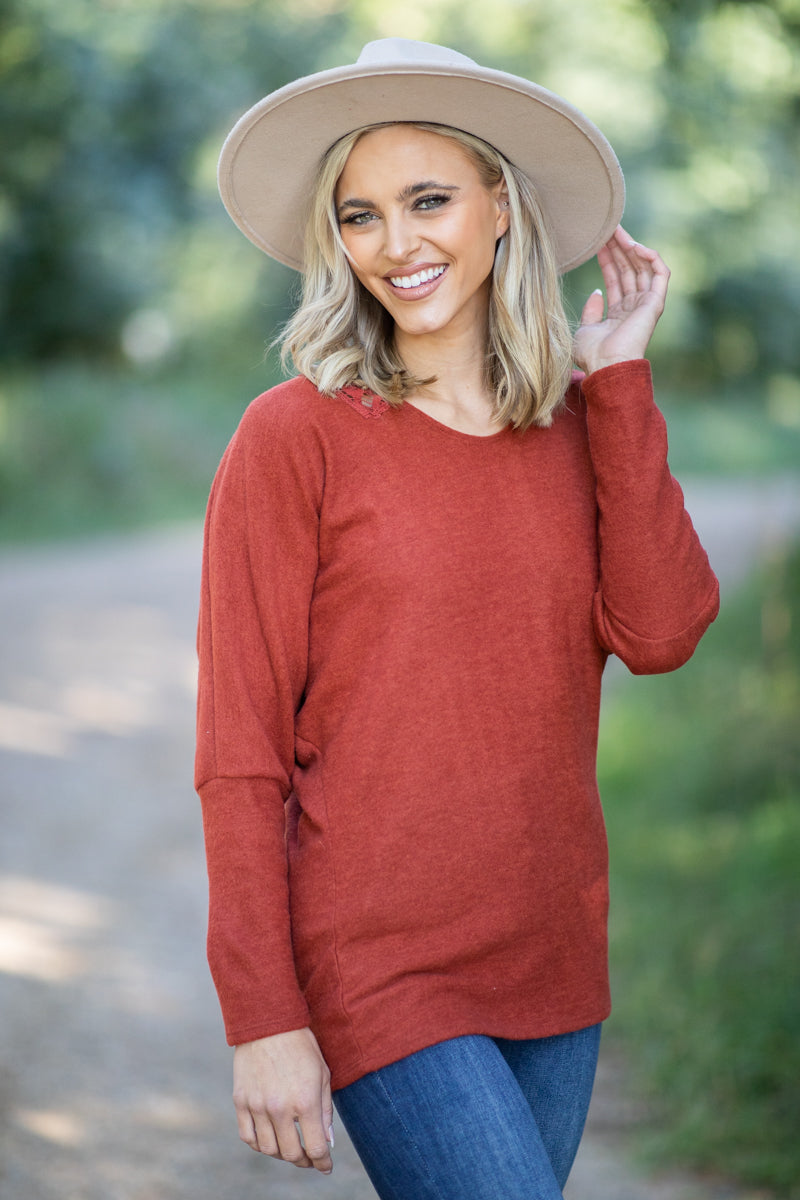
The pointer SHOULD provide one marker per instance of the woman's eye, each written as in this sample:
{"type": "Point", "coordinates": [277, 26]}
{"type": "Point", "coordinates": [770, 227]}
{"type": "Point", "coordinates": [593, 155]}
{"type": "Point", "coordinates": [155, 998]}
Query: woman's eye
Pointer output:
{"type": "Point", "coordinates": [359, 218]}
{"type": "Point", "coordinates": [433, 201]}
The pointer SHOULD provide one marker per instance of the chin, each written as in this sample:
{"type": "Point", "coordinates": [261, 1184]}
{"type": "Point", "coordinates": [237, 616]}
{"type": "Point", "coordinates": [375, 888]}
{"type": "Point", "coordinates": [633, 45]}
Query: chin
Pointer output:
{"type": "Point", "coordinates": [419, 324]}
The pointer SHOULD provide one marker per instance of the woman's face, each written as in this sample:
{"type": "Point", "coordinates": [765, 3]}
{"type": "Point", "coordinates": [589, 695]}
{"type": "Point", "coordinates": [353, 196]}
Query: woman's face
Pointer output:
{"type": "Point", "coordinates": [420, 228]}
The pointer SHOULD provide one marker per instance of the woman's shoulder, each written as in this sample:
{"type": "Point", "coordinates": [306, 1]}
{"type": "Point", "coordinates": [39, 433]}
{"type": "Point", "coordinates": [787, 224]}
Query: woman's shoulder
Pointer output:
{"type": "Point", "coordinates": [286, 404]}
{"type": "Point", "coordinates": [296, 408]}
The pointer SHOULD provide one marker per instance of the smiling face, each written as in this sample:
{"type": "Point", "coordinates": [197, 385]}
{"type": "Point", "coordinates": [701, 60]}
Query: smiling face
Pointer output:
{"type": "Point", "coordinates": [420, 228]}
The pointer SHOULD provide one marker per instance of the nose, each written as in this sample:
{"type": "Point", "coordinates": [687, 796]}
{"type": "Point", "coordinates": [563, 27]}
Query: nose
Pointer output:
{"type": "Point", "coordinates": [402, 237]}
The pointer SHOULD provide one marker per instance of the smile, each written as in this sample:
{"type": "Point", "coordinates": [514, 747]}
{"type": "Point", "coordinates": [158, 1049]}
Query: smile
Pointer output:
{"type": "Point", "coordinates": [413, 281]}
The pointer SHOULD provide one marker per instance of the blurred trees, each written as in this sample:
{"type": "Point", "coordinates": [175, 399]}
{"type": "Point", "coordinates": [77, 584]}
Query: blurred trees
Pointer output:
{"type": "Point", "coordinates": [725, 169]}
{"type": "Point", "coordinates": [112, 112]}
{"type": "Point", "coordinates": [105, 110]}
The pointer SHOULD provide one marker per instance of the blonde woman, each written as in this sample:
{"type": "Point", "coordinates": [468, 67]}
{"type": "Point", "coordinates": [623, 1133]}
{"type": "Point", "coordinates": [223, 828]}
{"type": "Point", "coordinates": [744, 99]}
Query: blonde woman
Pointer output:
{"type": "Point", "coordinates": [419, 554]}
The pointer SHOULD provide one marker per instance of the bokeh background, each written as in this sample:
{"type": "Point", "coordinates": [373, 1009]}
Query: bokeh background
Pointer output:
{"type": "Point", "coordinates": [134, 322]}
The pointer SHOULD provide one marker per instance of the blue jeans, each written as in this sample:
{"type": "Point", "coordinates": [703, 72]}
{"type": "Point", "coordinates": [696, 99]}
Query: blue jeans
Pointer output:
{"type": "Point", "coordinates": [474, 1118]}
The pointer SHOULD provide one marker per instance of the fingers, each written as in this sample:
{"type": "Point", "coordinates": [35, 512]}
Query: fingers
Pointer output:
{"type": "Point", "coordinates": [290, 1144]}
{"type": "Point", "coordinates": [593, 309]}
{"type": "Point", "coordinates": [283, 1102]}
{"type": "Point", "coordinates": [301, 1140]}
{"type": "Point", "coordinates": [316, 1130]}
{"type": "Point", "coordinates": [636, 280]}
{"type": "Point", "coordinates": [327, 1112]}
{"type": "Point", "coordinates": [631, 270]}
{"type": "Point", "coordinates": [619, 273]}
{"type": "Point", "coordinates": [255, 1126]}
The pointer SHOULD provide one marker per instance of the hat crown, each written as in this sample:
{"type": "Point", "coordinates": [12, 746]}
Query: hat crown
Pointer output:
{"type": "Point", "coordinates": [404, 52]}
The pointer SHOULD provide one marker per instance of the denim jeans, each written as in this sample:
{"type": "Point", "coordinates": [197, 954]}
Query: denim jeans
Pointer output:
{"type": "Point", "coordinates": [474, 1118]}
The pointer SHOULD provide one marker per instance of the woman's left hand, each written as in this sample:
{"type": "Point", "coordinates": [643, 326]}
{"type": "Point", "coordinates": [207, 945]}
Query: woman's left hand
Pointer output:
{"type": "Point", "coordinates": [636, 280]}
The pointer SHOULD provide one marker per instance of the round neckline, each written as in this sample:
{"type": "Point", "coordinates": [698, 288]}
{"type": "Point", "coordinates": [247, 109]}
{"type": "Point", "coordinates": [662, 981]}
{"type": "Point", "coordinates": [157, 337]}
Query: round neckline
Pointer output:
{"type": "Point", "coordinates": [489, 438]}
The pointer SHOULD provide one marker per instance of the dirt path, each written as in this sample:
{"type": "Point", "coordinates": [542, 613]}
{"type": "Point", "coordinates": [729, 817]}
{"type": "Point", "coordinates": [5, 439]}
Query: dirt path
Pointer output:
{"type": "Point", "coordinates": [114, 1078]}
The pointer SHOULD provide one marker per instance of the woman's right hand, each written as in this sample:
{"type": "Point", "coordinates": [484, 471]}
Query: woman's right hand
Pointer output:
{"type": "Point", "coordinates": [278, 1081]}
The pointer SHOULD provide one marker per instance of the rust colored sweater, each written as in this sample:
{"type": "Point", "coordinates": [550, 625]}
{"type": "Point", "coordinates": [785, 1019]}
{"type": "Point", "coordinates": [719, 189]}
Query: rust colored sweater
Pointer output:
{"type": "Point", "coordinates": [402, 635]}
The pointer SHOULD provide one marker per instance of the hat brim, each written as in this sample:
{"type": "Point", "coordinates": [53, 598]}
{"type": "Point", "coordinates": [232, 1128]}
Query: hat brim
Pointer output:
{"type": "Point", "coordinates": [269, 161]}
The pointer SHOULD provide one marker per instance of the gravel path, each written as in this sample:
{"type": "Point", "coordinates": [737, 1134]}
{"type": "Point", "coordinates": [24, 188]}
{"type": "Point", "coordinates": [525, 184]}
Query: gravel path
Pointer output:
{"type": "Point", "coordinates": [114, 1077]}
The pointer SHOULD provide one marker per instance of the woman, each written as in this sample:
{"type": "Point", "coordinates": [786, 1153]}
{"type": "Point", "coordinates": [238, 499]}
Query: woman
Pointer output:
{"type": "Point", "coordinates": [419, 554]}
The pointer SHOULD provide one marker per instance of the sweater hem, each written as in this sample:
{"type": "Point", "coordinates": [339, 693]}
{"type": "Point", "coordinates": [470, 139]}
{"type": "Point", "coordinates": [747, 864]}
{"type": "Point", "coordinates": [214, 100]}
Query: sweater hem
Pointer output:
{"type": "Point", "coordinates": [344, 1074]}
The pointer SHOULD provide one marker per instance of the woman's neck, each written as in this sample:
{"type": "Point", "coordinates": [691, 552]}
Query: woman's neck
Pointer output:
{"type": "Point", "coordinates": [459, 396]}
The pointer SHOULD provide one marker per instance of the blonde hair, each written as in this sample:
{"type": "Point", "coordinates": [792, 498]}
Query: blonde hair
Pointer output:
{"type": "Point", "coordinates": [341, 335]}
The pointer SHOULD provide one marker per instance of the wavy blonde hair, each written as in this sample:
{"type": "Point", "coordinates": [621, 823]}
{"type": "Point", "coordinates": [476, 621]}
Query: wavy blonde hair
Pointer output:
{"type": "Point", "coordinates": [341, 335]}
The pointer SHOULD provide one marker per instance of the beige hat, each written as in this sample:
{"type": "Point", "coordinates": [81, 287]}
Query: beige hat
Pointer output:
{"type": "Point", "coordinates": [269, 160]}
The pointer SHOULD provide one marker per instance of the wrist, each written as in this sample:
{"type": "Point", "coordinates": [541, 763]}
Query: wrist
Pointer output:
{"type": "Point", "coordinates": [601, 364]}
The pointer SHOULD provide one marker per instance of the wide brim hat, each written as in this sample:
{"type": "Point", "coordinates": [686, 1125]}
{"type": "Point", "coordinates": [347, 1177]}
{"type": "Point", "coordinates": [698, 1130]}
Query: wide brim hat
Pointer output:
{"type": "Point", "coordinates": [270, 159]}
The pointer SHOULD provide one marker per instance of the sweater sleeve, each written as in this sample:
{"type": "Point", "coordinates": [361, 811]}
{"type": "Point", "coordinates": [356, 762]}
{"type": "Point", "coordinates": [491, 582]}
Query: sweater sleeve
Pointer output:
{"type": "Point", "coordinates": [657, 593]}
{"type": "Point", "coordinates": [259, 565]}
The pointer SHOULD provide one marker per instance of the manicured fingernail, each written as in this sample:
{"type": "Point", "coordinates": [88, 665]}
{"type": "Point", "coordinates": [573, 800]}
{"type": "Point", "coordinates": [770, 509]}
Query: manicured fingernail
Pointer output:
{"type": "Point", "coordinates": [597, 292]}
{"type": "Point", "coordinates": [331, 1140]}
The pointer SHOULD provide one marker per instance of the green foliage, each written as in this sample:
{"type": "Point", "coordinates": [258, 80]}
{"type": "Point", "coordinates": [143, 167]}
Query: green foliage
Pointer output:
{"type": "Point", "coordinates": [701, 777]}
{"type": "Point", "coordinates": [728, 432]}
{"type": "Point", "coordinates": [726, 164]}
{"type": "Point", "coordinates": [84, 448]}
{"type": "Point", "coordinates": [105, 113]}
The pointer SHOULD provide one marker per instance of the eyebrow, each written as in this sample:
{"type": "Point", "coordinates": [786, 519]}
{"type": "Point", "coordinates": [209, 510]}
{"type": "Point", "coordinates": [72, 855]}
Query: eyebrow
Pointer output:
{"type": "Point", "coordinates": [407, 193]}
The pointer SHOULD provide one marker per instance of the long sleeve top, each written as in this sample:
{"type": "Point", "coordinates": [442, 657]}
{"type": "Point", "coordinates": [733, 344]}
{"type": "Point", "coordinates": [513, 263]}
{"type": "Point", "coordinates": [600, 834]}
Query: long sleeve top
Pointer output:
{"type": "Point", "coordinates": [402, 635]}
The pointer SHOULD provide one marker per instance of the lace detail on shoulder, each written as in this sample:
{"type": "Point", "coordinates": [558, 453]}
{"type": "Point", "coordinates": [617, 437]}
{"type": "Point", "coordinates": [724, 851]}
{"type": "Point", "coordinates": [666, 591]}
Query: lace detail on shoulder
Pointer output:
{"type": "Point", "coordinates": [366, 403]}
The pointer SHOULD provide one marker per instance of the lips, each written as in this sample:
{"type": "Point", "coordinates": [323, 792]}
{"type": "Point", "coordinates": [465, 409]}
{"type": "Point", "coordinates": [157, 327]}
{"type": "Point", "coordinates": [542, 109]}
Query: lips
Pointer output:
{"type": "Point", "coordinates": [416, 284]}
{"type": "Point", "coordinates": [418, 277]}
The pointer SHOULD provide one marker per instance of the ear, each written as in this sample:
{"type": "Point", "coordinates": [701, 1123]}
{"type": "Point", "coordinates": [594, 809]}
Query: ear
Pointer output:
{"type": "Point", "coordinates": [503, 210]}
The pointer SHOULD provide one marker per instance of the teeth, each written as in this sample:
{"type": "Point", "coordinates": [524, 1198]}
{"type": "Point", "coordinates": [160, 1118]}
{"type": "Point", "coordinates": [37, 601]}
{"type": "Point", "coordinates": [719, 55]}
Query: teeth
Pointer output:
{"type": "Point", "coordinates": [412, 281]}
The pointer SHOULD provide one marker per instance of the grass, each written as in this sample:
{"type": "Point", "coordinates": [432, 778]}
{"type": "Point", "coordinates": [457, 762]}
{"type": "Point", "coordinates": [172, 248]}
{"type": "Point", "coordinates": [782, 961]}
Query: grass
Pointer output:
{"type": "Point", "coordinates": [730, 433]}
{"type": "Point", "coordinates": [86, 449]}
{"type": "Point", "coordinates": [700, 773]}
